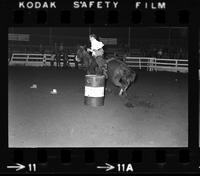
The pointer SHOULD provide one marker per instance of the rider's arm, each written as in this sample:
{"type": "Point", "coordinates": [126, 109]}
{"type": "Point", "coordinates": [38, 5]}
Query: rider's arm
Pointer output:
{"type": "Point", "coordinates": [100, 45]}
{"type": "Point", "coordinates": [89, 49]}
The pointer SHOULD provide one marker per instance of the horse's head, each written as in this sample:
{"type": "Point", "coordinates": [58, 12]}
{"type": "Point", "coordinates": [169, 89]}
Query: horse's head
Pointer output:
{"type": "Point", "coordinates": [81, 53]}
{"type": "Point", "coordinates": [86, 59]}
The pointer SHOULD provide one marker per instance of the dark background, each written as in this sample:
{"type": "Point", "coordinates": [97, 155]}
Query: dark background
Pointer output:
{"type": "Point", "coordinates": [134, 41]}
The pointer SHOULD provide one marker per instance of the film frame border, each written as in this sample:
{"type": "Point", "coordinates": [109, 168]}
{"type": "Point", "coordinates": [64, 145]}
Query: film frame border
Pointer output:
{"type": "Point", "coordinates": [153, 160]}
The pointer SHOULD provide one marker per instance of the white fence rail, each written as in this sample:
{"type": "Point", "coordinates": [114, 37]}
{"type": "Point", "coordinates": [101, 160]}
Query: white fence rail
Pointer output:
{"type": "Point", "coordinates": [151, 64]}
{"type": "Point", "coordinates": [158, 64]}
{"type": "Point", "coordinates": [38, 60]}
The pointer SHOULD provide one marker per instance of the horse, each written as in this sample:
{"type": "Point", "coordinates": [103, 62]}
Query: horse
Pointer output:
{"type": "Point", "coordinates": [86, 59]}
{"type": "Point", "coordinates": [117, 71]}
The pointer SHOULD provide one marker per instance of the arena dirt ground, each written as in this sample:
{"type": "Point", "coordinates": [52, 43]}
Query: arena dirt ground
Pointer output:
{"type": "Point", "coordinates": [158, 118]}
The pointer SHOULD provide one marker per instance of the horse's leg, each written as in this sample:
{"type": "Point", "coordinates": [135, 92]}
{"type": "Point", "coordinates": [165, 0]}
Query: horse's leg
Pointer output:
{"type": "Point", "coordinates": [121, 92]}
{"type": "Point", "coordinates": [124, 92]}
{"type": "Point", "coordinates": [116, 82]}
{"type": "Point", "coordinates": [100, 70]}
{"type": "Point", "coordinates": [97, 70]}
{"type": "Point", "coordinates": [91, 70]}
{"type": "Point", "coordinates": [127, 82]}
{"type": "Point", "coordinates": [125, 85]}
{"type": "Point", "coordinates": [105, 73]}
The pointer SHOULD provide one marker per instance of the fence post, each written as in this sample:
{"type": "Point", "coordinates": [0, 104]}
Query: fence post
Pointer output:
{"type": "Point", "coordinates": [176, 65]}
{"type": "Point", "coordinates": [140, 63]}
{"type": "Point", "coordinates": [27, 58]}
{"type": "Point", "coordinates": [44, 60]}
{"type": "Point", "coordinates": [155, 65]}
{"type": "Point", "coordinates": [150, 64]}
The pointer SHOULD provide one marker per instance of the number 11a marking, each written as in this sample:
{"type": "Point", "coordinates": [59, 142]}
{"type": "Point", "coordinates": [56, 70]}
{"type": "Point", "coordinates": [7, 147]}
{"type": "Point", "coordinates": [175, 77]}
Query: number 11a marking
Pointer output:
{"type": "Point", "coordinates": [125, 168]}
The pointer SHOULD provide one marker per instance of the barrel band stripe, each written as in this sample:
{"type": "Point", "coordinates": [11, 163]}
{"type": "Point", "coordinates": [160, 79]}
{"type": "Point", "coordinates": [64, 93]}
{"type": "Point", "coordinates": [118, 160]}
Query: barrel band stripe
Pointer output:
{"type": "Point", "coordinates": [94, 91]}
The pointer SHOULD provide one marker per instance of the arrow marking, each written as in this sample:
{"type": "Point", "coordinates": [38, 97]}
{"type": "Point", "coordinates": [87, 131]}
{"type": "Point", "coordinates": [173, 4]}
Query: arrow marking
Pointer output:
{"type": "Point", "coordinates": [18, 167]}
{"type": "Point", "coordinates": [107, 167]}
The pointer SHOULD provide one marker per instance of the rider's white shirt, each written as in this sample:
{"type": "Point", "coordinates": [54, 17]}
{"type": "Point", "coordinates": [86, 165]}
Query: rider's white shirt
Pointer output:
{"type": "Point", "coordinates": [95, 45]}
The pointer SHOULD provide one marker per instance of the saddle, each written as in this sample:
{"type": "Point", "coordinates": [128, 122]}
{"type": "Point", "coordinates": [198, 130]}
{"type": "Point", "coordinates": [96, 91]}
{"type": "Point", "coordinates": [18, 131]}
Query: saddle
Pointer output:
{"type": "Point", "coordinates": [99, 52]}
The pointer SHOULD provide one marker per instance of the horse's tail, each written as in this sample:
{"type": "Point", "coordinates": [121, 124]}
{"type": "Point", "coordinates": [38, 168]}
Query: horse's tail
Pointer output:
{"type": "Point", "coordinates": [129, 75]}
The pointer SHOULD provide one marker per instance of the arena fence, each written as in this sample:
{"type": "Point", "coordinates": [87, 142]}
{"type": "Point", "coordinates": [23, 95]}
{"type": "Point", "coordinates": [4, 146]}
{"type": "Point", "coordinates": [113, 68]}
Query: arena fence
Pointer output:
{"type": "Point", "coordinates": [38, 60]}
{"type": "Point", "coordinates": [148, 63]}
{"type": "Point", "coordinates": [157, 64]}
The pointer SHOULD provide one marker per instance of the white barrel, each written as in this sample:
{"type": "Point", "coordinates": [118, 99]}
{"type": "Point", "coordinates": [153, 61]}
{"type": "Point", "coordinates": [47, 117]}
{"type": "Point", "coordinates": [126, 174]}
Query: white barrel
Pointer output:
{"type": "Point", "coordinates": [94, 90]}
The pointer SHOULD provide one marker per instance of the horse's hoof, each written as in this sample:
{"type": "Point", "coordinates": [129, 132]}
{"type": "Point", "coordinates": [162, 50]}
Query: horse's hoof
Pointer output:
{"type": "Point", "coordinates": [125, 94]}
{"type": "Point", "coordinates": [120, 94]}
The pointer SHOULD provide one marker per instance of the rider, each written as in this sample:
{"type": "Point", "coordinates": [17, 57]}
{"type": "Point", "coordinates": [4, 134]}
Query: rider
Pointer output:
{"type": "Point", "coordinates": [97, 53]}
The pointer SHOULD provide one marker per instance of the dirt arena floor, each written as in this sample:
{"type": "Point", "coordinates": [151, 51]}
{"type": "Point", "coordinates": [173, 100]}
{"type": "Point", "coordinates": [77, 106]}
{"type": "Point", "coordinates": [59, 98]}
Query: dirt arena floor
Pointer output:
{"type": "Point", "coordinates": [158, 118]}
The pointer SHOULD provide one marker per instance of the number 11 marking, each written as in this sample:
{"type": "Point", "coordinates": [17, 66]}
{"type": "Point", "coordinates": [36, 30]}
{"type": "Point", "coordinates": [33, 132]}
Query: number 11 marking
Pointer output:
{"type": "Point", "coordinates": [30, 167]}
